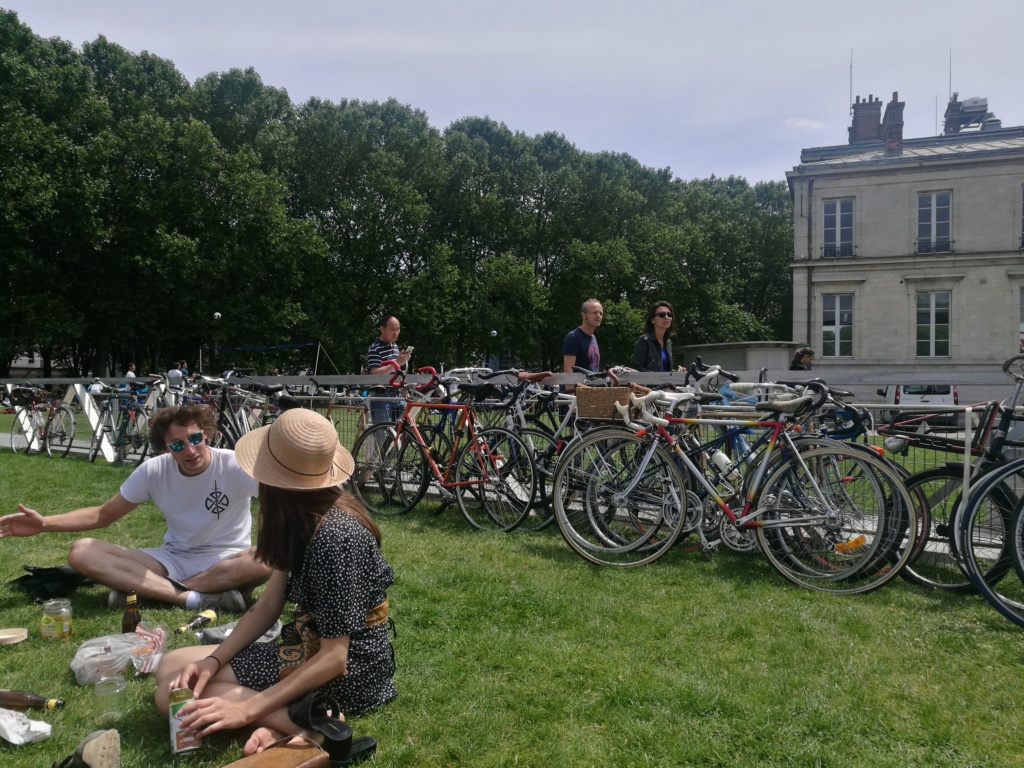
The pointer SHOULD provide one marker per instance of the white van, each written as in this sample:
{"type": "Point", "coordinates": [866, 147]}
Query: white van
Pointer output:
{"type": "Point", "coordinates": [938, 395]}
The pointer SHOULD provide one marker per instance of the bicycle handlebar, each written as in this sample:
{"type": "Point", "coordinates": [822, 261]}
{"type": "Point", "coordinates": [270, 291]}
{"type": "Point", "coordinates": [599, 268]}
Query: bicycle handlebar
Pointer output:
{"type": "Point", "coordinates": [1011, 361]}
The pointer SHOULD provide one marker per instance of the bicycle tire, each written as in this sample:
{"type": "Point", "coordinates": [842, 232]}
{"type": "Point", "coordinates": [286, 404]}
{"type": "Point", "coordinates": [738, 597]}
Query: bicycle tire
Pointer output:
{"type": "Point", "coordinates": [60, 432]}
{"type": "Point", "coordinates": [440, 447]}
{"type": "Point", "coordinates": [982, 546]}
{"type": "Point", "coordinates": [385, 485]}
{"type": "Point", "coordinates": [19, 442]}
{"type": "Point", "coordinates": [103, 425]}
{"type": "Point", "coordinates": [836, 520]}
{"type": "Point", "coordinates": [935, 562]}
{"type": "Point", "coordinates": [133, 437]}
{"type": "Point", "coordinates": [495, 480]}
{"type": "Point", "coordinates": [609, 511]}
{"type": "Point", "coordinates": [545, 449]}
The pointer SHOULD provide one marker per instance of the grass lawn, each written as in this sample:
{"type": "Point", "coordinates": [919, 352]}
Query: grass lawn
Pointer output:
{"type": "Point", "coordinates": [512, 651]}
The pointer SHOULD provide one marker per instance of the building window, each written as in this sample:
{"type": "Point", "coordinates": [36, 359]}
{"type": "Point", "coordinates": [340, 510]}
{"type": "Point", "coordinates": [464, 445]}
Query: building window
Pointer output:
{"type": "Point", "coordinates": [933, 322]}
{"type": "Point", "coordinates": [837, 325]}
{"type": "Point", "coordinates": [933, 222]}
{"type": "Point", "coordinates": [838, 227]}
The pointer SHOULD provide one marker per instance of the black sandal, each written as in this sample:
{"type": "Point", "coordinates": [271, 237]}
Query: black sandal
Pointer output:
{"type": "Point", "coordinates": [318, 712]}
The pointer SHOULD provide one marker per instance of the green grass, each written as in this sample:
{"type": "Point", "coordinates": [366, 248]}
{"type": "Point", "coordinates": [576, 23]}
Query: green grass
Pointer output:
{"type": "Point", "coordinates": [512, 651]}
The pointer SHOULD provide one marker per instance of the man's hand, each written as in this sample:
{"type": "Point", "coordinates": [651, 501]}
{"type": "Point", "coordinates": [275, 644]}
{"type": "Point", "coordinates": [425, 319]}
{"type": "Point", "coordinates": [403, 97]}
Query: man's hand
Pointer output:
{"type": "Point", "coordinates": [24, 522]}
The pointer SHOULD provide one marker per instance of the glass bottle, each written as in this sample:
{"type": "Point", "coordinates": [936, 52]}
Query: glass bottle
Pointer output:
{"type": "Point", "coordinates": [197, 622]}
{"type": "Point", "coordinates": [131, 618]}
{"type": "Point", "coordinates": [27, 700]}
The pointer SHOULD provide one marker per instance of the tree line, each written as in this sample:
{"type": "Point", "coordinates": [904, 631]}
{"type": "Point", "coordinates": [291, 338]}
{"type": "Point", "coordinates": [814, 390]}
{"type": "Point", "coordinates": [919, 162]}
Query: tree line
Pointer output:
{"type": "Point", "coordinates": [134, 205]}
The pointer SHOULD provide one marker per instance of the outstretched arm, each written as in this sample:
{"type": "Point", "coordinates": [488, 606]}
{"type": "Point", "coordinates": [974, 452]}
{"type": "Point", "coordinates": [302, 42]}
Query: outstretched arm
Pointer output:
{"type": "Point", "coordinates": [28, 522]}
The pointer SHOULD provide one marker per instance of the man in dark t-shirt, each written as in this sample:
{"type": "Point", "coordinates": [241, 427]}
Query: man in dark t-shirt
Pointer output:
{"type": "Point", "coordinates": [580, 345]}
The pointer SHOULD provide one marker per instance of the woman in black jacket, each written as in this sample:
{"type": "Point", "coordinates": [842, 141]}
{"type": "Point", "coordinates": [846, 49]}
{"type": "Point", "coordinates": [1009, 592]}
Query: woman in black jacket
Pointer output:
{"type": "Point", "coordinates": [653, 350]}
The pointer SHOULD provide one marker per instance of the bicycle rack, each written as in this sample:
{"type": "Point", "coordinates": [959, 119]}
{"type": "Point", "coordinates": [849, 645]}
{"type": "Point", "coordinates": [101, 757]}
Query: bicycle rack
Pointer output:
{"type": "Point", "coordinates": [92, 413]}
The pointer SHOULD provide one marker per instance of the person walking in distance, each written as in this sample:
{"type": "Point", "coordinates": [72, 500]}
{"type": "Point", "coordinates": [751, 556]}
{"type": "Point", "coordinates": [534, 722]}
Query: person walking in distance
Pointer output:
{"type": "Point", "coordinates": [580, 346]}
{"type": "Point", "coordinates": [206, 559]}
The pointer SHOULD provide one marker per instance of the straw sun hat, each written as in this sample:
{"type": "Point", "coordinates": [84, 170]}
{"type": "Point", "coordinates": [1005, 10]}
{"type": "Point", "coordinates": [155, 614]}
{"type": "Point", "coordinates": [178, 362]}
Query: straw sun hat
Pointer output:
{"type": "Point", "coordinates": [299, 451]}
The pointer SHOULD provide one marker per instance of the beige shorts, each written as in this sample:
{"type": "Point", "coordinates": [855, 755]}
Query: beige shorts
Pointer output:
{"type": "Point", "coordinates": [182, 566]}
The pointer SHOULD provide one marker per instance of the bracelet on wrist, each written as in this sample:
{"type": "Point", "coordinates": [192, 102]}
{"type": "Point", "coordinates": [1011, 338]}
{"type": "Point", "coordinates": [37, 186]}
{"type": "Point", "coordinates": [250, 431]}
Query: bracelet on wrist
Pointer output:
{"type": "Point", "coordinates": [211, 656]}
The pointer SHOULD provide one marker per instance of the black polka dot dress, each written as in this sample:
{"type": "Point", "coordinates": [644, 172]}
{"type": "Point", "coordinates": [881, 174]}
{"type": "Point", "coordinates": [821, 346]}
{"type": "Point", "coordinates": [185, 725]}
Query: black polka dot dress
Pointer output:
{"type": "Point", "coordinates": [344, 575]}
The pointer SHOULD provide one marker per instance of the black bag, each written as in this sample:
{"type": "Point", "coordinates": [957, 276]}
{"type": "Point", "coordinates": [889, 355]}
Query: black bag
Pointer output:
{"type": "Point", "coordinates": [46, 582]}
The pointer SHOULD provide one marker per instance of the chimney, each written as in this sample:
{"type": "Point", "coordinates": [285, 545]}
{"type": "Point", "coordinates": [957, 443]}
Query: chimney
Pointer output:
{"type": "Point", "coordinates": [892, 126]}
{"type": "Point", "coordinates": [866, 115]}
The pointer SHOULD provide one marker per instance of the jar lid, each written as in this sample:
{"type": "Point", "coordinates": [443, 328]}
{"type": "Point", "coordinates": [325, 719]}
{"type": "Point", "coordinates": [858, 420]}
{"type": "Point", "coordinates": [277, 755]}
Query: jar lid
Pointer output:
{"type": "Point", "coordinates": [12, 636]}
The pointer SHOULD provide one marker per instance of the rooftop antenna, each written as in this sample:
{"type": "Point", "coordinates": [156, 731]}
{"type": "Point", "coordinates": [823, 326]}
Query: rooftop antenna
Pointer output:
{"type": "Point", "coordinates": [950, 95]}
{"type": "Point", "coordinates": [850, 102]}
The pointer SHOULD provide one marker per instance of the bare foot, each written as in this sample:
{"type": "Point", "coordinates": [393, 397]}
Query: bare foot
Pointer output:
{"type": "Point", "coordinates": [260, 739]}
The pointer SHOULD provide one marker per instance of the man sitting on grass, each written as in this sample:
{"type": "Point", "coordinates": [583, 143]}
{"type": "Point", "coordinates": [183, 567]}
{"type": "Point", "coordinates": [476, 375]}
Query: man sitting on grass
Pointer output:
{"type": "Point", "coordinates": [206, 560]}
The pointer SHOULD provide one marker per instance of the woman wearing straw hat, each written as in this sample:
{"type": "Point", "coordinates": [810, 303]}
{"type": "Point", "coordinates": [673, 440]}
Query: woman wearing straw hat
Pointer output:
{"type": "Point", "coordinates": [336, 656]}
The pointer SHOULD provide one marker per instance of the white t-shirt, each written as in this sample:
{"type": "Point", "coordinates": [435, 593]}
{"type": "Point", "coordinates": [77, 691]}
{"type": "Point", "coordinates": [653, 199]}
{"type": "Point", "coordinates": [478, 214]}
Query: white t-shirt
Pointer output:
{"type": "Point", "coordinates": [129, 374]}
{"type": "Point", "coordinates": [205, 513]}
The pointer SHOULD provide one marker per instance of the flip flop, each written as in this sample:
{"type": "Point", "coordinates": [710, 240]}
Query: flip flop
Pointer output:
{"type": "Point", "coordinates": [319, 712]}
{"type": "Point", "coordinates": [100, 749]}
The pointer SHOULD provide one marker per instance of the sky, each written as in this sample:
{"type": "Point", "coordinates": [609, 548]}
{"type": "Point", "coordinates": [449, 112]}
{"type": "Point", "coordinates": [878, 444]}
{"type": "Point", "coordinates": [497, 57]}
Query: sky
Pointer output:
{"type": "Point", "coordinates": [728, 87]}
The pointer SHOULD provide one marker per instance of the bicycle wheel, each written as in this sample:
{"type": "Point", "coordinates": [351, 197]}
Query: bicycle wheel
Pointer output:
{"type": "Point", "coordinates": [439, 445]}
{"type": "Point", "coordinates": [387, 479]}
{"type": "Point", "coordinates": [934, 561]}
{"type": "Point", "coordinates": [60, 432]}
{"type": "Point", "coordinates": [103, 427]}
{"type": "Point", "coordinates": [835, 519]}
{"type": "Point", "coordinates": [495, 480]}
{"type": "Point", "coordinates": [20, 442]}
{"type": "Point", "coordinates": [619, 499]}
{"type": "Point", "coordinates": [544, 449]}
{"type": "Point", "coordinates": [133, 437]}
{"type": "Point", "coordinates": [985, 542]}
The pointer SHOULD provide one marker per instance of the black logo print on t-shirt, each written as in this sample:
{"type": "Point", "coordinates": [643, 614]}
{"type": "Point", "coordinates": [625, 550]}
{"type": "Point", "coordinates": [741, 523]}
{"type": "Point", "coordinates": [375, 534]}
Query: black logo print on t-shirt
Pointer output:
{"type": "Point", "coordinates": [217, 501]}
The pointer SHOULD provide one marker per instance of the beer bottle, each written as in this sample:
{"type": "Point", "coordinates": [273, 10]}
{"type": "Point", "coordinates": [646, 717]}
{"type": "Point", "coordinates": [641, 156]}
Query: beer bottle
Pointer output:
{"type": "Point", "coordinates": [198, 621]}
{"type": "Point", "coordinates": [27, 700]}
{"type": "Point", "coordinates": [131, 617]}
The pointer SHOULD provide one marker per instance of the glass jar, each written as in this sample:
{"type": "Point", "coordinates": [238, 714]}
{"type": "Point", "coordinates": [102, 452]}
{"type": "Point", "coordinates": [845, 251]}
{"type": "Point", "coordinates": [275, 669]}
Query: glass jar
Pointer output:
{"type": "Point", "coordinates": [56, 621]}
{"type": "Point", "coordinates": [110, 697]}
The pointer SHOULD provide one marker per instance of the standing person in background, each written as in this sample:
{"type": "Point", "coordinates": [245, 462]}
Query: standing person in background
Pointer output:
{"type": "Point", "coordinates": [653, 350]}
{"type": "Point", "coordinates": [130, 373]}
{"type": "Point", "coordinates": [183, 367]}
{"type": "Point", "coordinates": [174, 377]}
{"type": "Point", "coordinates": [580, 345]}
{"type": "Point", "coordinates": [803, 359]}
{"type": "Point", "coordinates": [384, 349]}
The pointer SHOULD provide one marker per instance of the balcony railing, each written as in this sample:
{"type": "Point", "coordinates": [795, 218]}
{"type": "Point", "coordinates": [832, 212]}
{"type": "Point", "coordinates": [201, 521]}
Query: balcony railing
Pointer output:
{"type": "Point", "coordinates": [841, 251]}
{"type": "Point", "coordinates": [935, 245]}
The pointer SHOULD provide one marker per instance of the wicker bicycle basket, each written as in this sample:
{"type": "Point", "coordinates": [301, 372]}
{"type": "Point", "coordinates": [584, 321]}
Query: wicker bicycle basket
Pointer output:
{"type": "Point", "coordinates": [599, 402]}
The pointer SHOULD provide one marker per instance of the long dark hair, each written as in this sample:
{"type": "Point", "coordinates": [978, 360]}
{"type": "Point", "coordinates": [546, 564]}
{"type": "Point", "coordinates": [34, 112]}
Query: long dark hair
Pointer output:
{"type": "Point", "coordinates": [652, 311]}
{"type": "Point", "coordinates": [288, 520]}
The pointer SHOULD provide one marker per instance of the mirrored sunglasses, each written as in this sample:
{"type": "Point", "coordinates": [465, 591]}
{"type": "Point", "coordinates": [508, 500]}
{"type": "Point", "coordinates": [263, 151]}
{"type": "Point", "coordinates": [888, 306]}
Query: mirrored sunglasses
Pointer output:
{"type": "Point", "coordinates": [663, 314]}
{"type": "Point", "coordinates": [177, 446]}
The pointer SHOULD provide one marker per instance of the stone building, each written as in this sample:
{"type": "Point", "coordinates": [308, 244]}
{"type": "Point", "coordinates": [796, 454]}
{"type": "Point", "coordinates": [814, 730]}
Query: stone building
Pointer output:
{"type": "Point", "coordinates": [908, 255]}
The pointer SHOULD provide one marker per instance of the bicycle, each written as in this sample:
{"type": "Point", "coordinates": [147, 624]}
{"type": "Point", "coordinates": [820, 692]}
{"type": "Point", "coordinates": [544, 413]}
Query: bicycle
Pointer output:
{"type": "Point", "coordinates": [489, 472]}
{"type": "Point", "coordinates": [936, 562]}
{"type": "Point", "coordinates": [123, 419]}
{"type": "Point", "coordinates": [39, 422]}
{"type": "Point", "coordinates": [827, 516]}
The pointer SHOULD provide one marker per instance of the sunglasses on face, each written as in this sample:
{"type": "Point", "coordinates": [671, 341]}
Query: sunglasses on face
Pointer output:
{"type": "Point", "coordinates": [663, 314]}
{"type": "Point", "coordinates": [177, 446]}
